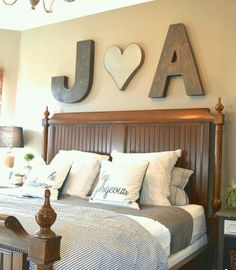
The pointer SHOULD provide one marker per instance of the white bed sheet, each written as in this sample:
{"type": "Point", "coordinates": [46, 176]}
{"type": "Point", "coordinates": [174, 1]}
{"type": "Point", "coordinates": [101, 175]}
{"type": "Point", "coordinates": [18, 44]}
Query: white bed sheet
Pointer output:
{"type": "Point", "coordinates": [199, 221]}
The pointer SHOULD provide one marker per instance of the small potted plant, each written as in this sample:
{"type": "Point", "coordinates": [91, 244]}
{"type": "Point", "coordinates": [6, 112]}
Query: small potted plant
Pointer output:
{"type": "Point", "coordinates": [28, 157]}
{"type": "Point", "coordinates": [230, 198]}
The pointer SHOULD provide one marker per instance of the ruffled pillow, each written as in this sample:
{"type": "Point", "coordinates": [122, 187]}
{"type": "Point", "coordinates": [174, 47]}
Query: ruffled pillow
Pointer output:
{"type": "Point", "coordinates": [179, 180]}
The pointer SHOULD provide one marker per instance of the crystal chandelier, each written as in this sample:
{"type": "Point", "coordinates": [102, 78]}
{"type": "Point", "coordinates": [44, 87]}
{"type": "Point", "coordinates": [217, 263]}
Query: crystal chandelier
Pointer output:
{"type": "Point", "coordinates": [47, 4]}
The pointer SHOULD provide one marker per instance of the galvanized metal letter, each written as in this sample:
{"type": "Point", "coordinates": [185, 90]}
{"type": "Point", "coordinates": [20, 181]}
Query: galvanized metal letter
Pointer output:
{"type": "Point", "coordinates": [83, 76]}
{"type": "Point", "coordinates": [177, 59]}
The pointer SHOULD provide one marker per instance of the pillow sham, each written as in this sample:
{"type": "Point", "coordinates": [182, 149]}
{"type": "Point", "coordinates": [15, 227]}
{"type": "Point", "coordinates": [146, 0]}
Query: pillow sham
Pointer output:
{"type": "Point", "coordinates": [179, 179]}
{"type": "Point", "coordinates": [155, 187]}
{"type": "Point", "coordinates": [50, 176]}
{"type": "Point", "coordinates": [84, 169]}
{"type": "Point", "coordinates": [119, 185]}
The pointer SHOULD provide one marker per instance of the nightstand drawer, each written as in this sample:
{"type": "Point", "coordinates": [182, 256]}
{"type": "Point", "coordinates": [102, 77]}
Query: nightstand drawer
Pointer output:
{"type": "Point", "coordinates": [230, 227]}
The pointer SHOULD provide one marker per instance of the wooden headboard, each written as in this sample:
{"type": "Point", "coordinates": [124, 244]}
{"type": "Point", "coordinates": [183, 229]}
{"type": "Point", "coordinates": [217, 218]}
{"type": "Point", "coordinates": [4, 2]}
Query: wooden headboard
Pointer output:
{"type": "Point", "coordinates": [196, 131]}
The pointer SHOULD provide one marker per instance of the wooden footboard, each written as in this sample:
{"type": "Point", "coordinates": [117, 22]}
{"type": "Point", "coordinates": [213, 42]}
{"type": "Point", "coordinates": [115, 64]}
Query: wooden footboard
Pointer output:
{"type": "Point", "coordinates": [18, 247]}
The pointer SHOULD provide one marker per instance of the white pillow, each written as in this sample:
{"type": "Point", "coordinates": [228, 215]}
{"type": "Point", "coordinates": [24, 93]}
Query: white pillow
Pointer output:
{"type": "Point", "coordinates": [155, 188]}
{"type": "Point", "coordinates": [179, 180]}
{"type": "Point", "coordinates": [50, 176]}
{"type": "Point", "coordinates": [85, 168]}
{"type": "Point", "coordinates": [119, 185]}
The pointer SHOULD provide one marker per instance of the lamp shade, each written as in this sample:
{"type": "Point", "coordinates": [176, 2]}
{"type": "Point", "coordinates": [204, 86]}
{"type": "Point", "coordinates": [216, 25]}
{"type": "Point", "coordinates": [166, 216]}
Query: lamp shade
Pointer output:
{"type": "Point", "coordinates": [11, 136]}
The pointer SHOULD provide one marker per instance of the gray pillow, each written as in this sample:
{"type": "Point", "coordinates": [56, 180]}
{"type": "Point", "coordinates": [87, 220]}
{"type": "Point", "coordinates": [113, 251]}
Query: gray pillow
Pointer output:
{"type": "Point", "coordinates": [179, 179]}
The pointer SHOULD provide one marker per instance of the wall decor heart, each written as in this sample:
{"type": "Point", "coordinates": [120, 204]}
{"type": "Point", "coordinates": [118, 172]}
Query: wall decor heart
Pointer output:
{"type": "Point", "coordinates": [122, 66]}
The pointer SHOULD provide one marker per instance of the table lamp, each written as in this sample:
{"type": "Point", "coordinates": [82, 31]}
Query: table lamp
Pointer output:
{"type": "Point", "coordinates": [11, 137]}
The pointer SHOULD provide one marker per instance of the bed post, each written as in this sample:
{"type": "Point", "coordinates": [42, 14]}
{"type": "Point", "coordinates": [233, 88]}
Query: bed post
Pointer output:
{"type": "Point", "coordinates": [219, 122]}
{"type": "Point", "coordinates": [44, 245]}
{"type": "Point", "coordinates": [45, 133]}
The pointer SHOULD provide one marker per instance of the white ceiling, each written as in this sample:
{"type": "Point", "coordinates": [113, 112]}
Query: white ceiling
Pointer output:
{"type": "Point", "coordinates": [20, 16]}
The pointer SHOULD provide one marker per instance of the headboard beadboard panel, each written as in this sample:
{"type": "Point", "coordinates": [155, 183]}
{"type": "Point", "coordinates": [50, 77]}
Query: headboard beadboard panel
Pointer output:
{"type": "Point", "coordinates": [190, 130]}
{"type": "Point", "coordinates": [91, 138]}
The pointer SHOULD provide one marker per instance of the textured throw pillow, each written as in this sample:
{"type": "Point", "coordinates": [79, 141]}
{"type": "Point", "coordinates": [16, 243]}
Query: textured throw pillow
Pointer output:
{"type": "Point", "coordinates": [155, 188]}
{"type": "Point", "coordinates": [84, 169]}
{"type": "Point", "coordinates": [50, 176]}
{"type": "Point", "coordinates": [119, 185]}
{"type": "Point", "coordinates": [179, 180]}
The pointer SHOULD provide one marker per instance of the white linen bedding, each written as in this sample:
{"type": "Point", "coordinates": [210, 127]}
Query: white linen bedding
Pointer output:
{"type": "Point", "coordinates": [97, 239]}
{"type": "Point", "coordinates": [159, 231]}
{"type": "Point", "coordinates": [199, 221]}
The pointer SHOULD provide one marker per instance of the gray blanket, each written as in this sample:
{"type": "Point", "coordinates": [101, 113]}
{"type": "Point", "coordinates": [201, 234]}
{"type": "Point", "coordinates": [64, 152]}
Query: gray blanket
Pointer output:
{"type": "Point", "coordinates": [93, 239]}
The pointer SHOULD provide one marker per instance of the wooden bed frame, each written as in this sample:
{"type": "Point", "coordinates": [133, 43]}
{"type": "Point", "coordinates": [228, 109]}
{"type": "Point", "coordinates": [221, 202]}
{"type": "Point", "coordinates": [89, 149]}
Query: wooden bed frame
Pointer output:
{"type": "Point", "coordinates": [198, 132]}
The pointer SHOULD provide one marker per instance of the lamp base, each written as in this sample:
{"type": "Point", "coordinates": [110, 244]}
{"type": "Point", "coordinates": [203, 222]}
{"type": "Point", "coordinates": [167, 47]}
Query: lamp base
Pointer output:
{"type": "Point", "coordinates": [9, 160]}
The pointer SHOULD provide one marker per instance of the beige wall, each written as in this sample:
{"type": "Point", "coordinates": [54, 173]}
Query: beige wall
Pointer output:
{"type": "Point", "coordinates": [50, 51]}
{"type": "Point", "coordinates": [9, 60]}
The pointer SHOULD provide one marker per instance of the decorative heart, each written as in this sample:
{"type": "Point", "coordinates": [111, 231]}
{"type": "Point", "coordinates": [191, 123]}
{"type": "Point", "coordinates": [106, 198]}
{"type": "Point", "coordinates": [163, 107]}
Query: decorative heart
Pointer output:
{"type": "Point", "coordinates": [123, 66]}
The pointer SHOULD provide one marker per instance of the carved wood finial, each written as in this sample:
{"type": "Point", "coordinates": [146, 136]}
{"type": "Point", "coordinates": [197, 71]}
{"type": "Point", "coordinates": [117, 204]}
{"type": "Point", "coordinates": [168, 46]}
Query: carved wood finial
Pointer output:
{"type": "Point", "coordinates": [219, 106]}
{"type": "Point", "coordinates": [216, 205]}
{"type": "Point", "coordinates": [46, 113]}
{"type": "Point", "coordinates": [45, 218]}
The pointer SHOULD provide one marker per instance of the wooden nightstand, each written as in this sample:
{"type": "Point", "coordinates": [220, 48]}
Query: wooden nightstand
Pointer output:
{"type": "Point", "coordinates": [226, 237]}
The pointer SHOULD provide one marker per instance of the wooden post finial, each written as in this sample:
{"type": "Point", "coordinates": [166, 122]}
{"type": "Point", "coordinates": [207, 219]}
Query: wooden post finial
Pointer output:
{"type": "Point", "coordinates": [46, 113]}
{"type": "Point", "coordinates": [219, 106]}
{"type": "Point", "coordinates": [45, 218]}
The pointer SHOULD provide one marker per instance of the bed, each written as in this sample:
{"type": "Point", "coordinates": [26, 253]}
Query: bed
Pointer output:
{"type": "Point", "coordinates": [197, 132]}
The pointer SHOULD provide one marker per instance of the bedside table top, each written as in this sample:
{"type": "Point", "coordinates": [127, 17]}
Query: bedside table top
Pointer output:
{"type": "Point", "coordinates": [227, 212]}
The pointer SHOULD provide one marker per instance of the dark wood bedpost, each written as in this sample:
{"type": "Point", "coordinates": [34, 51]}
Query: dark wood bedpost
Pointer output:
{"type": "Point", "coordinates": [44, 246]}
{"type": "Point", "coordinates": [216, 202]}
{"type": "Point", "coordinates": [45, 133]}
{"type": "Point", "coordinates": [219, 122]}
{"type": "Point", "coordinates": [17, 245]}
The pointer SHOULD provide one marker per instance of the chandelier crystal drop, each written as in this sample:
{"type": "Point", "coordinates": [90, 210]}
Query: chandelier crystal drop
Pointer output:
{"type": "Point", "coordinates": [47, 4]}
